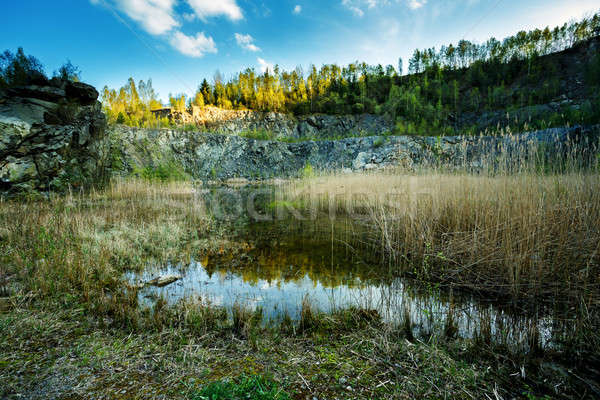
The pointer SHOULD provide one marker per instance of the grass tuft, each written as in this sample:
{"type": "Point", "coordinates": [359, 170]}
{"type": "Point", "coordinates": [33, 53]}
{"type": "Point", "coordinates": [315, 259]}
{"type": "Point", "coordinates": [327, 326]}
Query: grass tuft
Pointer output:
{"type": "Point", "coordinates": [245, 387]}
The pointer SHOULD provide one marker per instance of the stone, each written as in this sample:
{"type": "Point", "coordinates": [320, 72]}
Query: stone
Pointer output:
{"type": "Point", "coordinates": [360, 161]}
{"type": "Point", "coordinates": [83, 93]}
{"type": "Point", "coordinates": [51, 137]}
{"type": "Point", "coordinates": [161, 281]}
{"type": "Point", "coordinates": [231, 122]}
{"type": "Point", "coordinates": [217, 158]}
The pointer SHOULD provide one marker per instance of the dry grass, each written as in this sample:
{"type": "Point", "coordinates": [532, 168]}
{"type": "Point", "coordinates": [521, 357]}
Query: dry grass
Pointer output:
{"type": "Point", "coordinates": [78, 246]}
{"type": "Point", "coordinates": [522, 235]}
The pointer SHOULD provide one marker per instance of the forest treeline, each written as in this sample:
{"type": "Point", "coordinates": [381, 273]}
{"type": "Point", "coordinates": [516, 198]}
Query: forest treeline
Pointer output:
{"type": "Point", "coordinates": [442, 85]}
{"type": "Point", "coordinates": [18, 69]}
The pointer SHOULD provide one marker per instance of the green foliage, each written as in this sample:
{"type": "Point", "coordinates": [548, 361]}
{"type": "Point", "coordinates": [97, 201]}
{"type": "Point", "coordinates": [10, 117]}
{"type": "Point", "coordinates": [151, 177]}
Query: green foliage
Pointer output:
{"type": "Point", "coordinates": [379, 142]}
{"type": "Point", "coordinates": [17, 69]}
{"type": "Point", "coordinates": [245, 387]}
{"type": "Point", "coordinates": [307, 171]}
{"type": "Point", "coordinates": [68, 72]}
{"type": "Point", "coordinates": [593, 70]}
{"type": "Point", "coordinates": [132, 105]}
{"type": "Point", "coordinates": [169, 171]}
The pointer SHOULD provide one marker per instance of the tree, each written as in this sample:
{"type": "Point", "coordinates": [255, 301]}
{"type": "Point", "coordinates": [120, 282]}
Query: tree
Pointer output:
{"type": "Point", "coordinates": [68, 72]}
{"type": "Point", "coordinates": [18, 69]}
{"type": "Point", "coordinates": [206, 92]}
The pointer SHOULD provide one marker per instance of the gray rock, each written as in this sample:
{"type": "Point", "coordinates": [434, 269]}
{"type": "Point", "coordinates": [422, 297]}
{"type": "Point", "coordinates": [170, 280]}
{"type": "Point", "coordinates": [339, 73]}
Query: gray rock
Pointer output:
{"type": "Point", "coordinates": [162, 281]}
{"type": "Point", "coordinates": [318, 126]}
{"type": "Point", "coordinates": [360, 161]}
{"type": "Point", "coordinates": [215, 157]}
{"type": "Point", "coordinates": [51, 138]}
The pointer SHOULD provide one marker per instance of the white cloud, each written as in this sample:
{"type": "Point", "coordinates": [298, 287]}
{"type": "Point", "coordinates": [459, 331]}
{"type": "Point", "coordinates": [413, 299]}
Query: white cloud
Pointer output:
{"type": "Point", "coordinates": [214, 8]}
{"type": "Point", "coordinates": [355, 10]}
{"type": "Point", "coordinates": [298, 9]}
{"type": "Point", "coordinates": [357, 6]}
{"type": "Point", "coordinates": [193, 46]}
{"type": "Point", "coordinates": [264, 65]}
{"type": "Point", "coordinates": [246, 42]}
{"type": "Point", "coordinates": [155, 16]}
{"type": "Point", "coordinates": [416, 4]}
{"type": "Point", "coordinates": [158, 18]}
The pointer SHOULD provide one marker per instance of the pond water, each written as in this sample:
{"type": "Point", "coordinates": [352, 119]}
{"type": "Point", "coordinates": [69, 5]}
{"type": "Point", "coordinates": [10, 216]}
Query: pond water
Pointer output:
{"type": "Point", "coordinates": [290, 261]}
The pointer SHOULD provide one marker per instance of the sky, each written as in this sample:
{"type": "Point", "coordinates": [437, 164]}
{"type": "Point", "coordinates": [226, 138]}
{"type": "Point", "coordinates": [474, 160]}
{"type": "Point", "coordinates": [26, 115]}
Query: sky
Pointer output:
{"type": "Point", "coordinates": [178, 43]}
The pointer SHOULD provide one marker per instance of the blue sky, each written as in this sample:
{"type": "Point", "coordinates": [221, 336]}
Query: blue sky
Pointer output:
{"type": "Point", "coordinates": [177, 43]}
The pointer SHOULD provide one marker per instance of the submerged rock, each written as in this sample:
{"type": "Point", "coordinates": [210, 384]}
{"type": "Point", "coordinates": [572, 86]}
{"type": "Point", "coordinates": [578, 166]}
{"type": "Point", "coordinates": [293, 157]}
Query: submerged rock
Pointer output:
{"type": "Point", "coordinates": [165, 280]}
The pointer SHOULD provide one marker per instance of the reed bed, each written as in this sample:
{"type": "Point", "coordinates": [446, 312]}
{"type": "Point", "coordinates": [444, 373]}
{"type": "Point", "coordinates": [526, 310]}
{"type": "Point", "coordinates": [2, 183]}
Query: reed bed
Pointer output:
{"type": "Point", "coordinates": [525, 235]}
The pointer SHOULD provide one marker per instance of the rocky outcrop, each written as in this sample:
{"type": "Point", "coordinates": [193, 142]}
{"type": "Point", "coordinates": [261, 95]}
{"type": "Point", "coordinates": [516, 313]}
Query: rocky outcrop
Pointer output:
{"type": "Point", "coordinates": [222, 157]}
{"type": "Point", "coordinates": [317, 126]}
{"type": "Point", "coordinates": [52, 135]}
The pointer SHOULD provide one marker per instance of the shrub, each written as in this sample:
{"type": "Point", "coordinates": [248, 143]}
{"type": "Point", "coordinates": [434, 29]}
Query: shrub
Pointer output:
{"type": "Point", "coordinates": [164, 172]}
{"type": "Point", "coordinates": [258, 134]}
{"type": "Point", "coordinates": [308, 171]}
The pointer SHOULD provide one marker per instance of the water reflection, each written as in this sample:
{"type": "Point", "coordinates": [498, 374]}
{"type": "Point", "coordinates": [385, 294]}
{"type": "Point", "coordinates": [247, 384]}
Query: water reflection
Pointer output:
{"type": "Point", "coordinates": [288, 262]}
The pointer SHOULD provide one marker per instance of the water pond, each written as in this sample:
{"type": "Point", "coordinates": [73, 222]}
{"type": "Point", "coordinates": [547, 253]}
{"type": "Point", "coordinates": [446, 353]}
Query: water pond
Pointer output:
{"type": "Point", "coordinates": [292, 261]}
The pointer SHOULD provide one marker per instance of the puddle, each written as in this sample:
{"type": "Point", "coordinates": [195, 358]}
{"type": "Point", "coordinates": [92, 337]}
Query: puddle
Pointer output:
{"type": "Point", "coordinates": [291, 260]}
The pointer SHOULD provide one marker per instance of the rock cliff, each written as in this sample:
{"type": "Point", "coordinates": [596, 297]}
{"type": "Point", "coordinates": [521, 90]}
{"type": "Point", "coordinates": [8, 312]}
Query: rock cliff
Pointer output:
{"type": "Point", "coordinates": [52, 135]}
{"type": "Point", "coordinates": [317, 126]}
{"type": "Point", "coordinates": [221, 157]}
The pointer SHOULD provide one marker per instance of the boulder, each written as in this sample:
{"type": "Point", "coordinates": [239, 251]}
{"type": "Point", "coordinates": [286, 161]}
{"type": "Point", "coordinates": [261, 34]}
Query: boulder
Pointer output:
{"type": "Point", "coordinates": [51, 137]}
{"type": "Point", "coordinates": [361, 160]}
{"type": "Point", "coordinates": [82, 93]}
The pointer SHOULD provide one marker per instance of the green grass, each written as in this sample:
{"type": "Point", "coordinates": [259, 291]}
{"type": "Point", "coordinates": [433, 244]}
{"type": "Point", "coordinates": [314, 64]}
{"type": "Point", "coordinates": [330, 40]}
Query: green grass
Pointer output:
{"type": "Point", "coordinates": [245, 387]}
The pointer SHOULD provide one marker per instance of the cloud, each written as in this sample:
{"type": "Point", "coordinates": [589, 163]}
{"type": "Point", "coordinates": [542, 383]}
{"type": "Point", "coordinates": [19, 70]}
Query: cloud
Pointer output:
{"type": "Point", "coordinates": [155, 16]}
{"type": "Point", "coordinates": [357, 6]}
{"type": "Point", "coordinates": [297, 9]}
{"type": "Point", "coordinates": [355, 10]}
{"type": "Point", "coordinates": [158, 18]}
{"type": "Point", "coordinates": [215, 8]}
{"type": "Point", "coordinates": [264, 65]}
{"type": "Point", "coordinates": [193, 46]}
{"type": "Point", "coordinates": [246, 42]}
{"type": "Point", "coordinates": [416, 4]}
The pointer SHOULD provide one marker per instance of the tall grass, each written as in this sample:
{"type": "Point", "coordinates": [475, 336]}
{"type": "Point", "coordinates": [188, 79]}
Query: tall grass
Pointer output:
{"type": "Point", "coordinates": [514, 230]}
{"type": "Point", "coordinates": [75, 248]}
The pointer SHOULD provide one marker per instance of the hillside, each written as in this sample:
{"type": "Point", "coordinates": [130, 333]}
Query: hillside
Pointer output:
{"type": "Point", "coordinates": [532, 80]}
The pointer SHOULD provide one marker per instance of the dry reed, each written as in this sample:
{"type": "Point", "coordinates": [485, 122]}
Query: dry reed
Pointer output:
{"type": "Point", "coordinates": [521, 235]}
